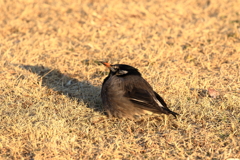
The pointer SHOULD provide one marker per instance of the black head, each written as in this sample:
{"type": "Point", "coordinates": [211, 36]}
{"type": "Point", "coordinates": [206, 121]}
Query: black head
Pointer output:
{"type": "Point", "coordinates": [121, 69]}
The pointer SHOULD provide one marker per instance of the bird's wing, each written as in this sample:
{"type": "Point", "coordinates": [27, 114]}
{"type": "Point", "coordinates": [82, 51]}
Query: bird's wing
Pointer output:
{"type": "Point", "coordinates": [140, 92]}
{"type": "Point", "coordinates": [160, 99]}
{"type": "Point", "coordinates": [142, 95]}
{"type": "Point", "coordinates": [143, 98]}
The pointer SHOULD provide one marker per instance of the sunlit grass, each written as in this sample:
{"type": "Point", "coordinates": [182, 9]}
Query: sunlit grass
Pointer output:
{"type": "Point", "coordinates": [50, 81]}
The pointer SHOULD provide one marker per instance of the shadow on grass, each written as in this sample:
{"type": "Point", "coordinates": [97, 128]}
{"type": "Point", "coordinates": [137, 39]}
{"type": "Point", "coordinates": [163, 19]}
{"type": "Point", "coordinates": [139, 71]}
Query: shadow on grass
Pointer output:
{"type": "Point", "coordinates": [73, 88]}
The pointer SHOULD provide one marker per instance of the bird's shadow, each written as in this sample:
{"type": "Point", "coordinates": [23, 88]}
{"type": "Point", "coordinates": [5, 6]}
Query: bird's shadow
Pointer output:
{"type": "Point", "coordinates": [64, 84]}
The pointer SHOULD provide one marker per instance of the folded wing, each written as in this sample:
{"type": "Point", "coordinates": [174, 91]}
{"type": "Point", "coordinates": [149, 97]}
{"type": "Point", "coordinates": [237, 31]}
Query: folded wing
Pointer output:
{"type": "Point", "coordinates": [143, 96]}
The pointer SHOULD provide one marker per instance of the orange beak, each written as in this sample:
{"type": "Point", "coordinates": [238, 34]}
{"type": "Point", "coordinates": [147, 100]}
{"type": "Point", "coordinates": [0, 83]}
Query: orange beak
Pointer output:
{"type": "Point", "coordinates": [106, 64]}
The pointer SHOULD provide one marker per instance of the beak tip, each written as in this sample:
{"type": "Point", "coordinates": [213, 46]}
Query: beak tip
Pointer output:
{"type": "Point", "coordinates": [105, 64]}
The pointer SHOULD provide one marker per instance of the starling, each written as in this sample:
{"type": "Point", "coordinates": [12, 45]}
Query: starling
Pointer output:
{"type": "Point", "coordinates": [125, 93]}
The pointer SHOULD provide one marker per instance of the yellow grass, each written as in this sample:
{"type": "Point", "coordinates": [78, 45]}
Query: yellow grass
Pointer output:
{"type": "Point", "coordinates": [50, 106]}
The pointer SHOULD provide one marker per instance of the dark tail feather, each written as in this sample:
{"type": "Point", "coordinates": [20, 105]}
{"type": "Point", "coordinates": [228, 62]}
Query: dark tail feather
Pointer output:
{"type": "Point", "coordinates": [174, 114]}
{"type": "Point", "coordinates": [168, 111]}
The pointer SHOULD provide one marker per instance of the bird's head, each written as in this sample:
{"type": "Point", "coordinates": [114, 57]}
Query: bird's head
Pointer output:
{"type": "Point", "coordinates": [121, 69]}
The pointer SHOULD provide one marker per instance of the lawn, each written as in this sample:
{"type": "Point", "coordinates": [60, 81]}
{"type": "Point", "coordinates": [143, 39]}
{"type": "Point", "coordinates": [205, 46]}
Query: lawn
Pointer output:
{"type": "Point", "coordinates": [50, 78]}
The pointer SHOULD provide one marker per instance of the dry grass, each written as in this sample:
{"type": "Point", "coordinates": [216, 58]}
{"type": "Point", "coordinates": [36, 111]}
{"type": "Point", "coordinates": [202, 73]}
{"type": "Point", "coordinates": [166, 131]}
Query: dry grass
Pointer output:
{"type": "Point", "coordinates": [50, 105]}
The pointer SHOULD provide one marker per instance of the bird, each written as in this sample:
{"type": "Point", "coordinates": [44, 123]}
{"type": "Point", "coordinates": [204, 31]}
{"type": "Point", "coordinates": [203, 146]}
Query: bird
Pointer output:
{"type": "Point", "coordinates": [126, 94]}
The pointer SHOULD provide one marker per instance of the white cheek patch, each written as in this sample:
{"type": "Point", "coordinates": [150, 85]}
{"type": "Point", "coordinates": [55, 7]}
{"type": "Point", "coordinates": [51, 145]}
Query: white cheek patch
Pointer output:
{"type": "Point", "coordinates": [112, 69]}
{"type": "Point", "coordinates": [122, 72]}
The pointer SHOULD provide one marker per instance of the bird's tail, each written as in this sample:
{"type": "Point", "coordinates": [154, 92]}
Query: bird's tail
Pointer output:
{"type": "Point", "coordinates": [174, 114]}
{"type": "Point", "coordinates": [168, 111]}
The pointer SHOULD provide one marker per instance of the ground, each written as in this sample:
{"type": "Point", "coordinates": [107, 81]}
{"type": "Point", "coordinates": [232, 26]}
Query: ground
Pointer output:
{"type": "Point", "coordinates": [50, 78]}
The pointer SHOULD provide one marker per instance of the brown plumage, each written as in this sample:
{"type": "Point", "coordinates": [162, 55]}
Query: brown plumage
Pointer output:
{"type": "Point", "coordinates": [126, 94]}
